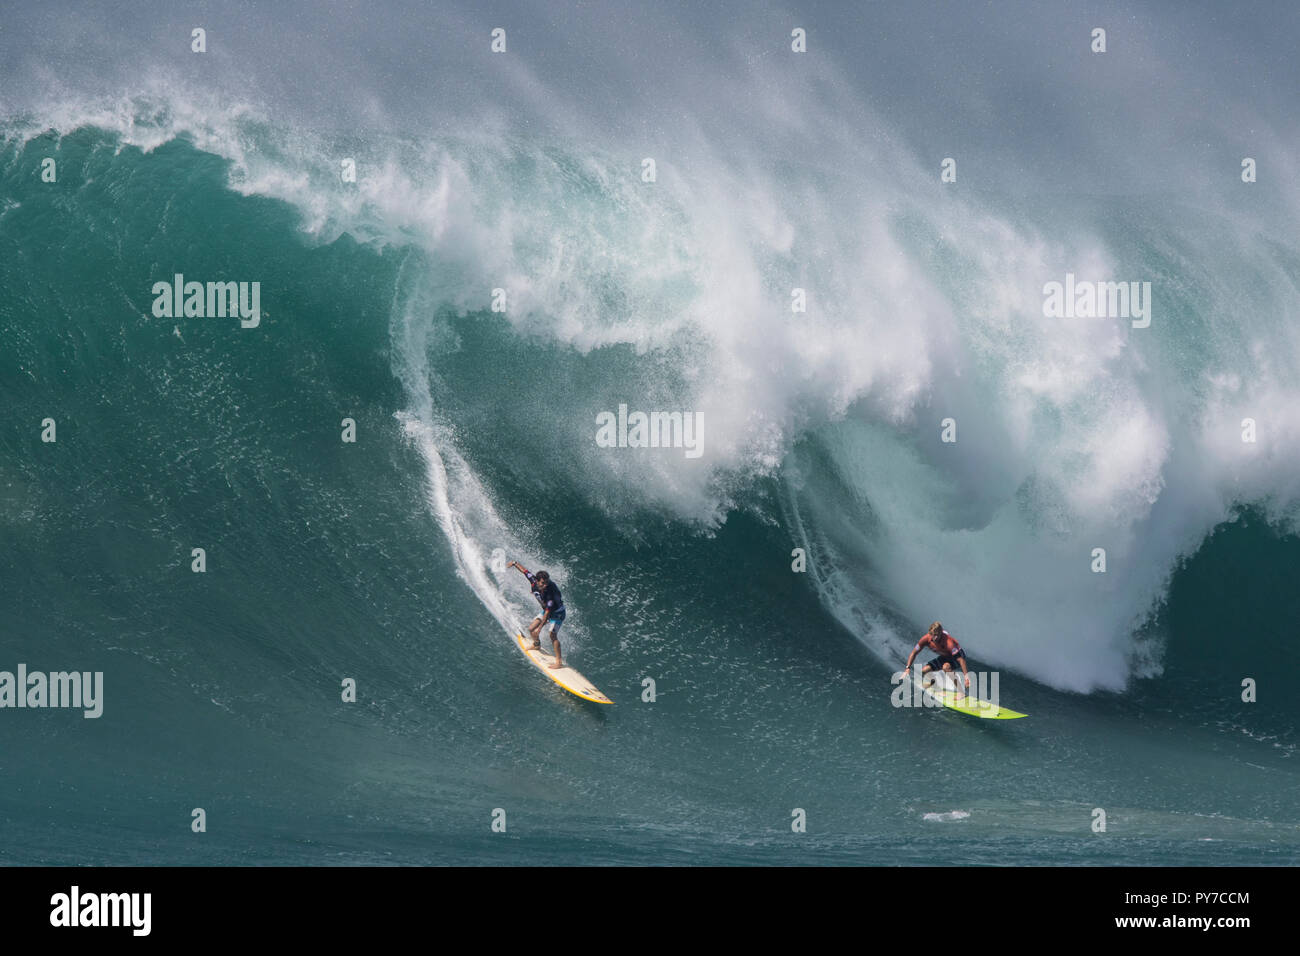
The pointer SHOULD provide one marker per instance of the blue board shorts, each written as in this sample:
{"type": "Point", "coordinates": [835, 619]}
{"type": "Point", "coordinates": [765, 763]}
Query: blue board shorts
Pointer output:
{"type": "Point", "coordinates": [555, 620]}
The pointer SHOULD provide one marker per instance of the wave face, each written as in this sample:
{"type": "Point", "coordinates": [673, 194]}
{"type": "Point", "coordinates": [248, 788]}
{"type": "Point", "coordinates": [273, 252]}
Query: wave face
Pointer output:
{"type": "Point", "coordinates": [822, 430]}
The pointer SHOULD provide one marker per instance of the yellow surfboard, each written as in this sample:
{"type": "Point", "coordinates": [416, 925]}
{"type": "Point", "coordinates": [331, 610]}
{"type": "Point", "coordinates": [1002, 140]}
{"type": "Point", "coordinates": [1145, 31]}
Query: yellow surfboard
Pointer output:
{"type": "Point", "coordinates": [944, 690]}
{"type": "Point", "coordinates": [565, 676]}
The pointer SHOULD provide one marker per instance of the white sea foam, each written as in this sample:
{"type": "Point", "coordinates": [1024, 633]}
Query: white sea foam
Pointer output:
{"type": "Point", "coordinates": [948, 817]}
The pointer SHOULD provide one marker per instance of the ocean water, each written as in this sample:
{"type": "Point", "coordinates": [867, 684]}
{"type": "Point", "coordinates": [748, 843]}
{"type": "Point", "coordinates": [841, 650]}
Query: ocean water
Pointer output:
{"type": "Point", "coordinates": [373, 560]}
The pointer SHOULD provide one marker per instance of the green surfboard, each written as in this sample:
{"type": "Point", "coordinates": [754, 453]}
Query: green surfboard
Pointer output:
{"type": "Point", "coordinates": [944, 690]}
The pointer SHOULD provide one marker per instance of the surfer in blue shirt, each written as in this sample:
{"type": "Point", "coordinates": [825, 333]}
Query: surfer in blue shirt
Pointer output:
{"type": "Point", "coordinates": [548, 596]}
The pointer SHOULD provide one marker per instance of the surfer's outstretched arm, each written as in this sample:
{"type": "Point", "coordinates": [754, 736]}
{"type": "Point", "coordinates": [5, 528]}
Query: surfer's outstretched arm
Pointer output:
{"type": "Point", "coordinates": [912, 656]}
{"type": "Point", "coordinates": [522, 570]}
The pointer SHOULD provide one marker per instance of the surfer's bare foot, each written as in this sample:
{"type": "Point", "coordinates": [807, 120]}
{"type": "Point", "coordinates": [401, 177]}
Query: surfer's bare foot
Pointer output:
{"type": "Point", "coordinates": [557, 665]}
